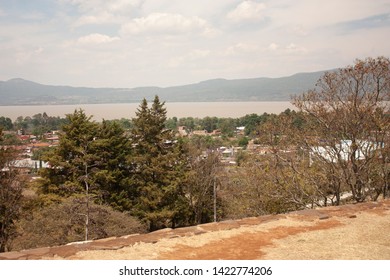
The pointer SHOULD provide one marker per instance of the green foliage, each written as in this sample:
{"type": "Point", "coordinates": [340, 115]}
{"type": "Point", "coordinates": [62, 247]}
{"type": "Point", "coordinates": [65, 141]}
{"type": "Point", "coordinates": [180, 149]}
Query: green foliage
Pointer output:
{"type": "Point", "coordinates": [110, 170]}
{"type": "Point", "coordinates": [190, 123]}
{"type": "Point", "coordinates": [6, 123]}
{"type": "Point", "coordinates": [206, 142]}
{"type": "Point", "coordinates": [243, 141]}
{"type": "Point", "coordinates": [228, 126]}
{"type": "Point", "coordinates": [39, 123]}
{"type": "Point", "coordinates": [158, 167]}
{"type": "Point", "coordinates": [209, 124]}
{"type": "Point", "coordinates": [39, 153]}
{"type": "Point", "coordinates": [252, 121]}
{"type": "Point", "coordinates": [90, 159]}
{"type": "Point", "coordinates": [140, 173]}
{"type": "Point", "coordinates": [76, 156]}
{"type": "Point", "coordinates": [125, 123]}
{"type": "Point", "coordinates": [11, 139]}
{"type": "Point", "coordinates": [171, 123]}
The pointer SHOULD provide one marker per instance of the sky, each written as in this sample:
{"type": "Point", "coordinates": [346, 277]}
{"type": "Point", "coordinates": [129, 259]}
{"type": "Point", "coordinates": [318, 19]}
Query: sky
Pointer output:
{"type": "Point", "coordinates": [132, 43]}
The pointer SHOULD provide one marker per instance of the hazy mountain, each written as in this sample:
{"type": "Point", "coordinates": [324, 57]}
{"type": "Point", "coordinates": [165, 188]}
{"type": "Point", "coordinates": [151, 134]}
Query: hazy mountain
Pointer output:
{"type": "Point", "coordinates": [22, 92]}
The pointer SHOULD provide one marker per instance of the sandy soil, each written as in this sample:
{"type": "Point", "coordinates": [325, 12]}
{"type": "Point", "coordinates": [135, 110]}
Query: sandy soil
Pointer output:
{"type": "Point", "coordinates": [351, 232]}
{"type": "Point", "coordinates": [344, 238]}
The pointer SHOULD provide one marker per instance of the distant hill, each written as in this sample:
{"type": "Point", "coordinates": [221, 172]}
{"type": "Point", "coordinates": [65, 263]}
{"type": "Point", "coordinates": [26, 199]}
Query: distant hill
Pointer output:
{"type": "Point", "coordinates": [23, 92]}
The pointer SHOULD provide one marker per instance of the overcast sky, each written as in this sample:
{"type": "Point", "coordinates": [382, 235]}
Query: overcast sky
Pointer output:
{"type": "Point", "coordinates": [130, 43]}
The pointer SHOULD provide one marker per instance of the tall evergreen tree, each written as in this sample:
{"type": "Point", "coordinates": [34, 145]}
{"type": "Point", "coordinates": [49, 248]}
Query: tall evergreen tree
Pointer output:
{"type": "Point", "coordinates": [157, 167]}
{"type": "Point", "coordinates": [89, 155]}
{"type": "Point", "coordinates": [113, 147]}
{"type": "Point", "coordinates": [75, 158]}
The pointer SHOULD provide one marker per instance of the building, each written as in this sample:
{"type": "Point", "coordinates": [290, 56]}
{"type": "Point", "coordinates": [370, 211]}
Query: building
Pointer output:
{"type": "Point", "coordinates": [182, 131]}
{"type": "Point", "coordinates": [200, 132]}
{"type": "Point", "coordinates": [342, 151]}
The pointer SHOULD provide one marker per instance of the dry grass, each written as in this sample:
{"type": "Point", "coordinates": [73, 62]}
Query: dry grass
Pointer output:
{"type": "Point", "coordinates": [351, 232]}
{"type": "Point", "coordinates": [363, 237]}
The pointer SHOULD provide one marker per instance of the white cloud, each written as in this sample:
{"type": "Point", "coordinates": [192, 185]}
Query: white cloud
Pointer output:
{"type": "Point", "coordinates": [112, 6]}
{"type": "Point", "coordinates": [100, 18]}
{"type": "Point", "coordinates": [23, 56]}
{"type": "Point", "coordinates": [175, 42]}
{"type": "Point", "coordinates": [286, 49]}
{"type": "Point", "coordinates": [96, 38]}
{"type": "Point", "coordinates": [293, 48]}
{"type": "Point", "coordinates": [193, 56]}
{"type": "Point", "coordinates": [299, 31]}
{"type": "Point", "coordinates": [93, 39]}
{"type": "Point", "coordinates": [102, 11]}
{"type": "Point", "coordinates": [123, 6]}
{"type": "Point", "coordinates": [241, 48]}
{"type": "Point", "coordinates": [306, 15]}
{"type": "Point", "coordinates": [273, 47]}
{"type": "Point", "coordinates": [247, 11]}
{"type": "Point", "coordinates": [164, 23]}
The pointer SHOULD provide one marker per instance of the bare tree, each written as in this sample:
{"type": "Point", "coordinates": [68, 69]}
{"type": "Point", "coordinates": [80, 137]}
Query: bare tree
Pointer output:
{"type": "Point", "coordinates": [11, 186]}
{"type": "Point", "coordinates": [200, 185]}
{"type": "Point", "coordinates": [348, 126]}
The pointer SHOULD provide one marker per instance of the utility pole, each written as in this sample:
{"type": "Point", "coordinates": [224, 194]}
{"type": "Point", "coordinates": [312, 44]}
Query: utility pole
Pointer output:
{"type": "Point", "coordinates": [215, 199]}
{"type": "Point", "coordinates": [87, 202]}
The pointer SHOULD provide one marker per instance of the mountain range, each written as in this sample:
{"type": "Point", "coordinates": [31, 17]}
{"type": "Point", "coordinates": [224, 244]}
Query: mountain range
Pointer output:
{"type": "Point", "coordinates": [22, 92]}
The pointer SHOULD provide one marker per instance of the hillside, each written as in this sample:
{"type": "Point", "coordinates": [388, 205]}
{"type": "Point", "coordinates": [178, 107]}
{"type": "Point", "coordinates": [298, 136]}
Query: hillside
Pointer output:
{"type": "Point", "coordinates": [348, 232]}
{"type": "Point", "coordinates": [23, 92]}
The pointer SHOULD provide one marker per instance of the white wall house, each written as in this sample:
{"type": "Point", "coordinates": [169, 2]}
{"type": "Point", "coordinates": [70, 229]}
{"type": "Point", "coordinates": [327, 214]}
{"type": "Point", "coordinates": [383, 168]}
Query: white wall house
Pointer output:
{"type": "Point", "coordinates": [343, 151]}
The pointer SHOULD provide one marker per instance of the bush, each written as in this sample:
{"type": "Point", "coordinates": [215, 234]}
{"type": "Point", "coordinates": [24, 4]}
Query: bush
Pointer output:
{"type": "Point", "coordinates": [63, 223]}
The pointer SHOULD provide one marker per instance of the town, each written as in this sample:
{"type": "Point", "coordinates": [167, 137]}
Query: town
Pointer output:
{"type": "Point", "coordinates": [148, 173]}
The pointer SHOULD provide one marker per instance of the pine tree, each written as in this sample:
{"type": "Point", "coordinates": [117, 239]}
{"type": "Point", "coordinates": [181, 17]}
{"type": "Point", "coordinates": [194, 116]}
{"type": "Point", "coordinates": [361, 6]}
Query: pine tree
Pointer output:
{"type": "Point", "coordinates": [75, 158]}
{"type": "Point", "coordinates": [157, 167]}
{"type": "Point", "coordinates": [113, 147]}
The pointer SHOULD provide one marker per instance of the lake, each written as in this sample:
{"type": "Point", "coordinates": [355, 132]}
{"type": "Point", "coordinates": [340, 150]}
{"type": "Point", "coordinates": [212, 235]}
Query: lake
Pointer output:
{"type": "Point", "coordinates": [174, 109]}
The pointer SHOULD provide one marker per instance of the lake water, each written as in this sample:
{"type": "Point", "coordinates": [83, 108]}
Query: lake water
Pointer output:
{"type": "Point", "coordinates": [174, 109]}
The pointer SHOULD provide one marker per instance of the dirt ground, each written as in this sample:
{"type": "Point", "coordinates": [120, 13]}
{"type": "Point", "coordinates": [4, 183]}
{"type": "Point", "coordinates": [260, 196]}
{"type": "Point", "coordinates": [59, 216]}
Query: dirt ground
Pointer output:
{"type": "Point", "coordinates": [349, 232]}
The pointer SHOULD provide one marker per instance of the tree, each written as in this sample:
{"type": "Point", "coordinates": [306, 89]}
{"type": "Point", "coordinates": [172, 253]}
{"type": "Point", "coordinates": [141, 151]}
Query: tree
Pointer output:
{"type": "Point", "coordinates": [171, 123]}
{"type": "Point", "coordinates": [199, 186]}
{"type": "Point", "coordinates": [157, 167]}
{"type": "Point", "coordinates": [338, 142]}
{"type": "Point", "coordinates": [188, 122]}
{"type": "Point", "coordinates": [252, 121]}
{"type": "Point", "coordinates": [6, 123]}
{"type": "Point", "coordinates": [75, 160]}
{"type": "Point", "coordinates": [258, 187]}
{"type": "Point", "coordinates": [210, 123]}
{"type": "Point", "coordinates": [111, 170]}
{"type": "Point", "coordinates": [11, 186]}
{"type": "Point", "coordinates": [90, 164]}
{"type": "Point", "coordinates": [348, 125]}
{"type": "Point", "coordinates": [243, 141]}
{"type": "Point", "coordinates": [228, 126]}
{"type": "Point", "coordinates": [61, 223]}
{"type": "Point", "coordinates": [293, 183]}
